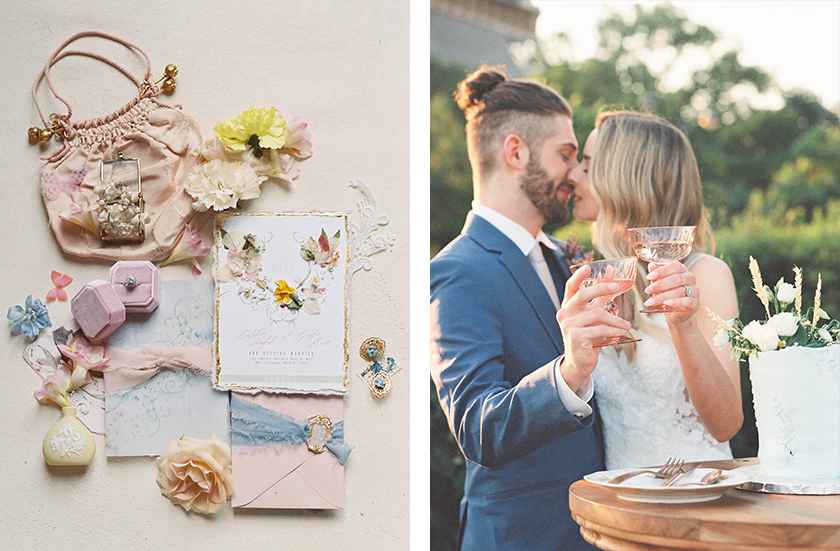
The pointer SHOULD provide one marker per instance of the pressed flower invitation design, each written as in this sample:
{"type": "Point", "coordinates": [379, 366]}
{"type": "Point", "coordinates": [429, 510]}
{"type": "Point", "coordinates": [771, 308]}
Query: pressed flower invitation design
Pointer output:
{"type": "Point", "coordinates": [281, 302]}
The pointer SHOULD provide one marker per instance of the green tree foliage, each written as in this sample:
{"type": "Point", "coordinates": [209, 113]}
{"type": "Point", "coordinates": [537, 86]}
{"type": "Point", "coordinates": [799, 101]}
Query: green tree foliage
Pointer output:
{"type": "Point", "coordinates": [450, 176]}
{"type": "Point", "coordinates": [771, 177]}
{"type": "Point", "coordinates": [446, 480]}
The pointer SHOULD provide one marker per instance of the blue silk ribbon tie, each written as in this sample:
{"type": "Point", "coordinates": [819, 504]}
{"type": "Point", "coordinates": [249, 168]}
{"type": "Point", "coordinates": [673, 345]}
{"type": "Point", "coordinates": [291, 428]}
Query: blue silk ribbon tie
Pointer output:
{"type": "Point", "coordinates": [252, 424]}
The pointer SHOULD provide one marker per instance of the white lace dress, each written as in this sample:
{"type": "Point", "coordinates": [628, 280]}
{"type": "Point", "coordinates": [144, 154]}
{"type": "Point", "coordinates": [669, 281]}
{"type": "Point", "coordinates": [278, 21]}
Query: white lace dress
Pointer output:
{"type": "Point", "coordinates": [644, 407]}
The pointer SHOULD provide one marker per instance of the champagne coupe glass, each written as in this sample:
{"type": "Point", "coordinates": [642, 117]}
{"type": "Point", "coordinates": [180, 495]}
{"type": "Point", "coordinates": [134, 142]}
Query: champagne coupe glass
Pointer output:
{"type": "Point", "coordinates": [614, 270]}
{"type": "Point", "coordinates": [660, 246]}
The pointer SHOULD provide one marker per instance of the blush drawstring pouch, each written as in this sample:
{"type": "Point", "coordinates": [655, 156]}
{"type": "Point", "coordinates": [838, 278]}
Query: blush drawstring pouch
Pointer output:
{"type": "Point", "coordinates": [114, 188]}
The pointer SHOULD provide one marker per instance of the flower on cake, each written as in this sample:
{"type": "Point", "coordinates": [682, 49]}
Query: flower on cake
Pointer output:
{"type": "Point", "coordinates": [786, 326]}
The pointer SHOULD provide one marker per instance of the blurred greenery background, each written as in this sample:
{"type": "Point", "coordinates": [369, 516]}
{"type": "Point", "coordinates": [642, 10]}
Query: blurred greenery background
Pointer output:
{"type": "Point", "coordinates": [771, 180]}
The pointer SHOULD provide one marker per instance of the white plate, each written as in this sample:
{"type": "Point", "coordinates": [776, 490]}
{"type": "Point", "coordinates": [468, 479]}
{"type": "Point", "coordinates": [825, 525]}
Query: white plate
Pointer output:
{"type": "Point", "coordinates": [647, 489]}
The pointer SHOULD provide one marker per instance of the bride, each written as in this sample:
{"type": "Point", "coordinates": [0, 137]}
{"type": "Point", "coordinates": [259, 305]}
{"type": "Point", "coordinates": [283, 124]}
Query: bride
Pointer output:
{"type": "Point", "coordinates": [673, 394]}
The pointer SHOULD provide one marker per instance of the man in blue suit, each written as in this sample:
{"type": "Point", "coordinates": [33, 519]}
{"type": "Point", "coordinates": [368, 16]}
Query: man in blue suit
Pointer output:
{"type": "Point", "coordinates": [512, 330]}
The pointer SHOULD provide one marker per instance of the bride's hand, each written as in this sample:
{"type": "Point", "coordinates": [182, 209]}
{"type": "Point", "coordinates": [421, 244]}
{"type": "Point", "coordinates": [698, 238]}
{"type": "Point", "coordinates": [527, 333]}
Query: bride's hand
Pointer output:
{"type": "Point", "coordinates": [583, 322]}
{"type": "Point", "coordinates": [672, 284]}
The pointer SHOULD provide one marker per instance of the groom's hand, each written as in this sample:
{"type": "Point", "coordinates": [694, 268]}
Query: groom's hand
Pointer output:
{"type": "Point", "coordinates": [583, 322]}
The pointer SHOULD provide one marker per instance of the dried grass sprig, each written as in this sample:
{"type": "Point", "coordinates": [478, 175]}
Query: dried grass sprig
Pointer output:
{"type": "Point", "coordinates": [717, 319]}
{"type": "Point", "coordinates": [817, 300]}
{"type": "Point", "coordinates": [758, 285]}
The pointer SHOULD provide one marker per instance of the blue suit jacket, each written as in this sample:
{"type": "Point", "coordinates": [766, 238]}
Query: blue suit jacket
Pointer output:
{"type": "Point", "coordinates": [494, 339]}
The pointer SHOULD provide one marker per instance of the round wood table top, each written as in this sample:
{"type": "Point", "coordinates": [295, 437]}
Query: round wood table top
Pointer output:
{"type": "Point", "coordinates": [738, 521]}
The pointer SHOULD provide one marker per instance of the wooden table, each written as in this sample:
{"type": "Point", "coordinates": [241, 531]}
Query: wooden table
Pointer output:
{"type": "Point", "coordinates": [738, 521]}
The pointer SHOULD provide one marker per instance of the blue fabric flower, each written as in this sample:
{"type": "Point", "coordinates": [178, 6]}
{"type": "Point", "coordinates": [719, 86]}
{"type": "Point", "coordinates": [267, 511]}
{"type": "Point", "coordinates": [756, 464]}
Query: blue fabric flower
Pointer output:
{"type": "Point", "coordinates": [29, 320]}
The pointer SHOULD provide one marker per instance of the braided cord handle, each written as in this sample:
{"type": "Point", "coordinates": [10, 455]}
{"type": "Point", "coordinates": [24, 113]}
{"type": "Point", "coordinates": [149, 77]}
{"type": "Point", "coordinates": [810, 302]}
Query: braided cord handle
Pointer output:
{"type": "Point", "coordinates": [60, 125]}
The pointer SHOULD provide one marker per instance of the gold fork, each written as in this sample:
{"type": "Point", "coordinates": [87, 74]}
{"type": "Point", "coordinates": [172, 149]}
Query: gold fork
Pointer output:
{"type": "Point", "coordinates": [669, 469]}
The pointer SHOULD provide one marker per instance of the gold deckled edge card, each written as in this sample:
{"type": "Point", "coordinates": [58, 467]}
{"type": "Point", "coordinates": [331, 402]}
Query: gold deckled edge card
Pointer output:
{"type": "Point", "coordinates": [260, 293]}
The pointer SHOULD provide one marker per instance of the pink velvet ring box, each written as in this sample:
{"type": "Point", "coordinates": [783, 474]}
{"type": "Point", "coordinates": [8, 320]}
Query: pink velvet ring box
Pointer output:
{"type": "Point", "coordinates": [97, 309]}
{"type": "Point", "coordinates": [137, 283]}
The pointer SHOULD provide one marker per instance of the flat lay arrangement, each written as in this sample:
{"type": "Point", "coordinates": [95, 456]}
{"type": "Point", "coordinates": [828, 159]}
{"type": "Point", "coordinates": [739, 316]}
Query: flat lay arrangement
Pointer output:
{"type": "Point", "coordinates": [234, 379]}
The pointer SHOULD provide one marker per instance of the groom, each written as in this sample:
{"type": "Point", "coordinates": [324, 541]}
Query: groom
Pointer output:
{"type": "Point", "coordinates": [512, 351]}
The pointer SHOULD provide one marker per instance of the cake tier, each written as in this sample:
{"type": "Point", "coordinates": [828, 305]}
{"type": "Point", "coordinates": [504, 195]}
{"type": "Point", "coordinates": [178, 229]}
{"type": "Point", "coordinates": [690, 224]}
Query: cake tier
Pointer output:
{"type": "Point", "coordinates": [796, 394]}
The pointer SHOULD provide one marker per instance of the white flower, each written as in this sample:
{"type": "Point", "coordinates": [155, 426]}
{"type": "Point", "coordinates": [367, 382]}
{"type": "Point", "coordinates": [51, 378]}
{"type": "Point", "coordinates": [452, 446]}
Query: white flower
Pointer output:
{"type": "Point", "coordinates": [785, 292]}
{"type": "Point", "coordinates": [721, 338]}
{"type": "Point", "coordinates": [785, 323]}
{"type": "Point", "coordinates": [219, 185]}
{"type": "Point", "coordinates": [273, 163]}
{"type": "Point", "coordinates": [238, 239]}
{"type": "Point", "coordinates": [824, 335]}
{"type": "Point", "coordinates": [763, 336]}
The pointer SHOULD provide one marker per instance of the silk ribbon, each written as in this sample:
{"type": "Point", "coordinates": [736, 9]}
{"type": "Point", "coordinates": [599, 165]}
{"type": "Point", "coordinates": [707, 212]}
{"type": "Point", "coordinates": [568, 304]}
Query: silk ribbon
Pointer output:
{"type": "Point", "coordinates": [253, 424]}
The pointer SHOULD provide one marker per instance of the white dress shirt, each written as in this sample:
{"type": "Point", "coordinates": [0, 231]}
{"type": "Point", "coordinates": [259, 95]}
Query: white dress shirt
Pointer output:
{"type": "Point", "coordinates": [575, 402]}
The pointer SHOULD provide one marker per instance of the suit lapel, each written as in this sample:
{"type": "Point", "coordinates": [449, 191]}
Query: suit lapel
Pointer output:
{"type": "Point", "coordinates": [521, 271]}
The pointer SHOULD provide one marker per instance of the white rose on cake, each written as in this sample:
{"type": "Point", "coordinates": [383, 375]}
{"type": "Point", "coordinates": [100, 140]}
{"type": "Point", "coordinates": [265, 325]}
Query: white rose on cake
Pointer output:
{"type": "Point", "coordinates": [763, 336]}
{"type": "Point", "coordinates": [785, 292]}
{"type": "Point", "coordinates": [786, 324]}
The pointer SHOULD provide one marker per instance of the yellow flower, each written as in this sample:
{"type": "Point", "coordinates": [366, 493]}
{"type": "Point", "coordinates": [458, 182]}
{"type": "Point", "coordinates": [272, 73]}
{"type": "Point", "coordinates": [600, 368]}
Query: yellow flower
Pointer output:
{"type": "Point", "coordinates": [255, 127]}
{"type": "Point", "coordinates": [283, 292]}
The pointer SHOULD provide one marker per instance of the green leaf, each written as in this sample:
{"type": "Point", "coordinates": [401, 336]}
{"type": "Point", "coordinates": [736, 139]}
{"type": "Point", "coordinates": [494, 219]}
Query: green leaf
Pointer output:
{"type": "Point", "coordinates": [799, 338]}
{"type": "Point", "coordinates": [296, 302]}
{"type": "Point", "coordinates": [254, 142]}
{"type": "Point", "coordinates": [337, 234]}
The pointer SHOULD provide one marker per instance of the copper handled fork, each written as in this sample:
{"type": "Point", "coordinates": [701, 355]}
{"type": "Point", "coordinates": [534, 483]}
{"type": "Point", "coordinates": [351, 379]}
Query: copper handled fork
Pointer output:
{"type": "Point", "coordinates": [670, 468]}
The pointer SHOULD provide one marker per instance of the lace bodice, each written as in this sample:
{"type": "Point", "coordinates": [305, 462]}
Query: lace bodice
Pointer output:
{"type": "Point", "coordinates": [644, 407]}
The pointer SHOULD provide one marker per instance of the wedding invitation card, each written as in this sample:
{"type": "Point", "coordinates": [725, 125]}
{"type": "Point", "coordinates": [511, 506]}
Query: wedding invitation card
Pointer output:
{"type": "Point", "coordinates": [158, 380]}
{"type": "Point", "coordinates": [281, 302]}
{"type": "Point", "coordinates": [274, 464]}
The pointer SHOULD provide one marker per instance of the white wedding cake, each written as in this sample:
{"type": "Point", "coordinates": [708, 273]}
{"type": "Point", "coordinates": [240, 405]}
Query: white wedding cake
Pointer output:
{"type": "Point", "coordinates": [796, 393]}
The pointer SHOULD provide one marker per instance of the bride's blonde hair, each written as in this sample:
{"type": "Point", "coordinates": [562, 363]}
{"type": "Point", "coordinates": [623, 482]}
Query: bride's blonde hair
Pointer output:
{"type": "Point", "coordinates": [643, 174]}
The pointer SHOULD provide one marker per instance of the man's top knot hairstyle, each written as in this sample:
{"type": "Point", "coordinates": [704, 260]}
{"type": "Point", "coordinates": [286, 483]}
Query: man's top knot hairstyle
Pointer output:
{"type": "Point", "coordinates": [488, 90]}
{"type": "Point", "coordinates": [496, 106]}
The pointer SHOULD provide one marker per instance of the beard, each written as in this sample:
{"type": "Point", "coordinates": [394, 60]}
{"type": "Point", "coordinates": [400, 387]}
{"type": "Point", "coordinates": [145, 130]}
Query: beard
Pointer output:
{"type": "Point", "coordinates": [541, 189]}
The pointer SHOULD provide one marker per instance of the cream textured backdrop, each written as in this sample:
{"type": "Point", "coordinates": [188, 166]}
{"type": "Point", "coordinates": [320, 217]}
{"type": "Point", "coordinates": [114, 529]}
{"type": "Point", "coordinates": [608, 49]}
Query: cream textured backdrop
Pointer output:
{"type": "Point", "coordinates": [343, 66]}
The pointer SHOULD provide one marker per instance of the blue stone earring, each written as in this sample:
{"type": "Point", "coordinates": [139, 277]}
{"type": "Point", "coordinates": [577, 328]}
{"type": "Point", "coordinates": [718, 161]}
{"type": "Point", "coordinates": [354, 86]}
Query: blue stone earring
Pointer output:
{"type": "Point", "coordinates": [373, 350]}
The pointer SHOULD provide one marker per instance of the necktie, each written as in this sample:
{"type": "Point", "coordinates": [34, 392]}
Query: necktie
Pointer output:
{"type": "Point", "coordinates": [538, 262]}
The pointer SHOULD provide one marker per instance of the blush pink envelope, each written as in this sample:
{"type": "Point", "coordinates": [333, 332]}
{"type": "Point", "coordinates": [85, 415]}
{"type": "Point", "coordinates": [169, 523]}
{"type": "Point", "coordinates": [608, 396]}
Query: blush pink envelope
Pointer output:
{"type": "Point", "coordinates": [289, 477]}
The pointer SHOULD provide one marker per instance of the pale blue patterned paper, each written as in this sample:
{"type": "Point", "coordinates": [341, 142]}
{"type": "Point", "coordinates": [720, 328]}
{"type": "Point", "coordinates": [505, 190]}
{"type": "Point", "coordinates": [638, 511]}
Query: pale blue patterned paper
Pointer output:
{"type": "Point", "coordinates": [145, 419]}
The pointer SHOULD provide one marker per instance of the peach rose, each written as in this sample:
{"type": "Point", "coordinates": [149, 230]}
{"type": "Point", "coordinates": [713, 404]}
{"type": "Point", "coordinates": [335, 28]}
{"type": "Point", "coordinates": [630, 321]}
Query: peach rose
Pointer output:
{"type": "Point", "coordinates": [195, 474]}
